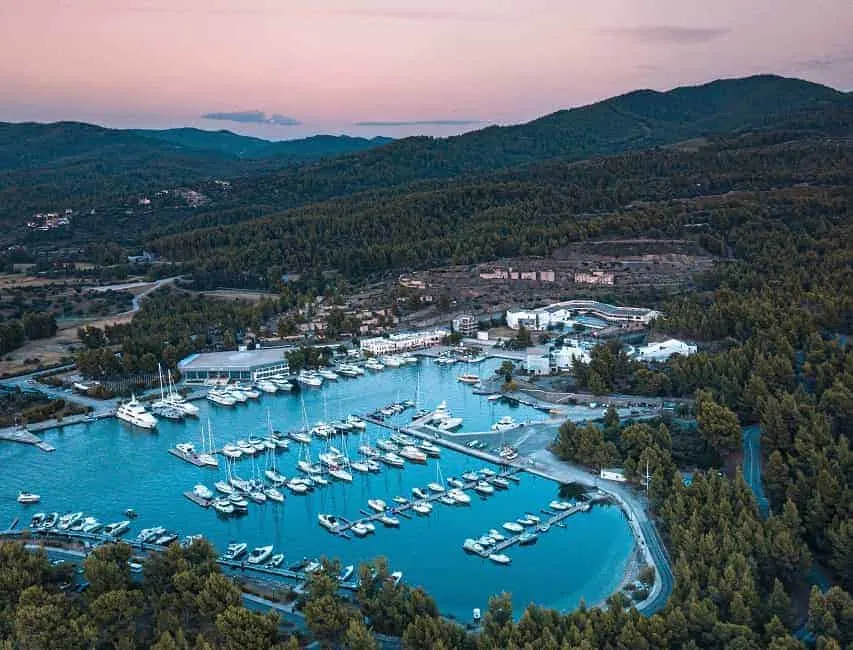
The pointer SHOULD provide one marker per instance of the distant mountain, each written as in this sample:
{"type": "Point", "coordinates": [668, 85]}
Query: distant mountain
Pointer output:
{"type": "Point", "coordinates": [242, 146]}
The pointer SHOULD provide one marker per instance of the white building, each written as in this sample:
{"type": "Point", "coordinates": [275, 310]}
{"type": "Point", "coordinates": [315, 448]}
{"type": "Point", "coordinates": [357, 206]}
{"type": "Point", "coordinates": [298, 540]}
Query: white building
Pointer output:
{"type": "Point", "coordinates": [664, 350]}
{"type": "Point", "coordinates": [567, 313]}
{"type": "Point", "coordinates": [466, 325]}
{"type": "Point", "coordinates": [563, 358]}
{"type": "Point", "coordinates": [613, 474]}
{"type": "Point", "coordinates": [538, 361]}
{"type": "Point", "coordinates": [403, 342]}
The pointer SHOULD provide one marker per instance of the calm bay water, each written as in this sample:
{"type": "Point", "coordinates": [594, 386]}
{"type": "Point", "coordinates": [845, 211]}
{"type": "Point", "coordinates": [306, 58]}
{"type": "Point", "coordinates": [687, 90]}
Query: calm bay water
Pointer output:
{"type": "Point", "coordinates": [104, 467]}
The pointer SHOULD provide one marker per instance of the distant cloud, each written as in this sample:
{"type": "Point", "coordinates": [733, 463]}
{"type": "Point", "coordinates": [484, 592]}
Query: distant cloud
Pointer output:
{"type": "Point", "coordinates": [827, 61]}
{"type": "Point", "coordinates": [670, 35]}
{"type": "Point", "coordinates": [422, 15]}
{"type": "Point", "coordinates": [253, 117]}
{"type": "Point", "coordinates": [420, 123]}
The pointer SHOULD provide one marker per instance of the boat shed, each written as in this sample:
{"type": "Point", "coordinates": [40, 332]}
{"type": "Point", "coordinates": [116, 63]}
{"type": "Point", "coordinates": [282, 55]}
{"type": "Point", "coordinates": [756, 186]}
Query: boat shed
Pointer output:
{"type": "Point", "coordinates": [246, 365]}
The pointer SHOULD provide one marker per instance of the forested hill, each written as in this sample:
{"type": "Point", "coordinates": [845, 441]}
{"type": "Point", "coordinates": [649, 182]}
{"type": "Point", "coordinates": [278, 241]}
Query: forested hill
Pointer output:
{"type": "Point", "coordinates": [635, 121]}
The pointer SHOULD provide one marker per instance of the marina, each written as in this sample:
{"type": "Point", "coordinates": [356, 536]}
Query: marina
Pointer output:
{"type": "Point", "coordinates": [129, 469]}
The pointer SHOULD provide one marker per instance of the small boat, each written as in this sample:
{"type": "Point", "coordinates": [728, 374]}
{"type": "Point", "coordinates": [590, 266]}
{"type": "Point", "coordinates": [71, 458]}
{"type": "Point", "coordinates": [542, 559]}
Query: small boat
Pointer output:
{"type": "Point", "coordinates": [505, 424]}
{"type": "Point", "coordinates": [186, 448]}
{"type": "Point", "coordinates": [495, 397]}
{"type": "Point", "coordinates": [396, 577]}
{"type": "Point", "coordinates": [499, 482]}
{"type": "Point", "coordinates": [220, 397]}
{"type": "Point", "coordinates": [373, 364]}
{"type": "Point", "coordinates": [459, 496]}
{"type": "Point", "coordinates": [526, 521]}
{"type": "Point", "coordinates": [346, 573]}
{"type": "Point", "coordinates": [471, 476]}
{"type": "Point", "coordinates": [527, 538]}
{"type": "Point", "coordinates": [67, 519]}
{"type": "Point", "coordinates": [534, 518]}
{"type": "Point", "coordinates": [487, 541]}
{"type": "Point", "coordinates": [385, 445]}
{"type": "Point", "coordinates": [297, 486]}
{"type": "Point", "coordinates": [402, 439]}
{"type": "Point", "coordinates": [484, 488]}
{"type": "Point", "coordinates": [239, 503]}
{"type": "Point", "coordinates": [413, 454]}
{"type": "Point", "coordinates": [369, 452]}
{"type": "Point", "coordinates": [276, 561]}
{"type": "Point", "coordinates": [500, 558]}
{"type": "Point", "coordinates": [165, 540]}
{"type": "Point", "coordinates": [260, 555]}
{"type": "Point", "coordinates": [377, 504]}
{"type": "Point", "coordinates": [359, 466]}
{"type": "Point", "coordinates": [300, 436]}
{"type": "Point", "coordinates": [231, 451]}
{"type": "Point", "coordinates": [455, 483]}
{"type": "Point", "coordinates": [419, 493]}
{"type": "Point", "coordinates": [430, 449]}
{"type": "Point", "coordinates": [37, 520]}
{"type": "Point", "coordinates": [316, 479]}
{"type": "Point", "coordinates": [257, 496]}
{"type": "Point", "coordinates": [275, 477]}
{"type": "Point", "coordinates": [223, 506]}
{"type": "Point", "coordinates": [422, 508]}
{"type": "Point", "coordinates": [359, 529]}
{"type": "Point", "coordinates": [496, 535]}
{"type": "Point", "coordinates": [91, 525]}
{"type": "Point", "coordinates": [373, 465]}
{"type": "Point", "coordinates": [147, 535]}
{"type": "Point", "coordinates": [400, 500]}
{"type": "Point", "coordinates": [202, 491]}
{"type": "Point", "coordinates": [267, 386]}
{"type": "Point", "coordinates": [487, 471]}
{"type": "Point", "coordinates": [513, 527]}
{"type": "Point", "coordinates": [468, 378]}
{"type": "Point", "coordinates": [189, 540]}
{"type": "Point", "coordinates": [435, 487]}
{"type": "Point", "coordinates": [135, 567]}
{"type": "Point", "coordinates": [356, 422]}
{"type": "Point", "coordinates": [559, 505]}
{"type": "Point", "coordinates": [472, 546]}
{"type": "Point", "coordinates": [330, 522]}
{"type": "Point", "coordinates": [51, 519]}
{"type": "Point", "coordinates": [331, 375]}
{"type": "Point", "coordinates": [388, 521]}
{"type": "Point", "coordinates": [447, 500]}
{"type": "Point", "coordinates": [340, 473]}
{"type": "Point", "coordinates": [28, 497]}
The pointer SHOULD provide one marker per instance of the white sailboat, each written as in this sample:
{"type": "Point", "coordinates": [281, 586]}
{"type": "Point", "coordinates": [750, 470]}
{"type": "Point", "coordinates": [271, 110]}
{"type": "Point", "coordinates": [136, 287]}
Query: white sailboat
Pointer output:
{"type": "Point", "coordinates": [207, 456]}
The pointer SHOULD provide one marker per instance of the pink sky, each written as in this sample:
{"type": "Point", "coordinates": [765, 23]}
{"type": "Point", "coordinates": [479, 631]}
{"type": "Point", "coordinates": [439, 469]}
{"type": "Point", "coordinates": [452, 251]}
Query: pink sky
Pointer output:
{"type": "Point", "coordinates": [332, 63]}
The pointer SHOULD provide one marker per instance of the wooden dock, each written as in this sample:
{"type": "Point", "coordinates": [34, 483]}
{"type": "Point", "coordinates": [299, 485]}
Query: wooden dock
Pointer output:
{"type": "Point", "coordinates": [540, 528]}
{"type": "Point", "coordinates": [196, 499]}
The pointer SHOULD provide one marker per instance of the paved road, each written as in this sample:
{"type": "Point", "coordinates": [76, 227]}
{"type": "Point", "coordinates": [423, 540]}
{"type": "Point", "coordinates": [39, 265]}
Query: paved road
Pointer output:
{"type": "Point", "coordinates": [752, 466]}
{"type": "Point", "coordinates": [635, 506]}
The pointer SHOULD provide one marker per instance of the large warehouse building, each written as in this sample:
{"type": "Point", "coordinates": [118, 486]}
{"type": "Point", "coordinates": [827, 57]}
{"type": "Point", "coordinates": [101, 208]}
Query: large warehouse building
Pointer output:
{"type": "Point", "coordinates": [578, 311]}
{"type": "Point", "coordinates": [246, 365]}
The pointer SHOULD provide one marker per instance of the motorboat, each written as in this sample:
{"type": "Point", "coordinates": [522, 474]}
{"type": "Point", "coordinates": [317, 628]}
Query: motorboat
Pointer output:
{"type": "Point", "coordinates": [346, 573]}
{"type": "Point", "coordinates": [391, 361]}
{"type": "Point", "coordinates": [257, 496]}
{"type": "Point", "coordinates": [359, 529]}
{"type": "Point", "coordinates": [513, 527]}
{"type": "Point", "coordinates": [37, 520]}
{"type": "Point", "coordinates": [259, 445]}
{"type": "Point", "coordinates": [282, 384]}
{"type": "Point", "coordinates": [186, 448]}
{"type": "Point", "coordinates": [373, 364]}
{"type": "Point", "coordinates": [445, 360]}
{"type": "Point", "coordinates": [527, 538]}
{"type": "Point", "coordinates": [395, 578]}
{"type": "Point", "coordinates": [135, 414]}
{"type": "Point", "coordinates": [495, 397]}
{"type": "Point", "coordinates": [330, 522]}
{"type": "Point", "coordinates": [373, 465]}
{"type": "Point", "coordinates": [325, 373]}
{"type": "Point", "coordinates": [435, 487]}
{"type": "Point", "coordinates": [202, 491]}
{"type": "Point", "coordinates": [450, 424]}
{"type": "Point", "coordinates": [280, 441]}
{"type": "Point", "coordinates": [239, 484]}
{"type": "Point", "coordinates": [472, 546]}
{"type": "Point", "coordinates": [505, 424]}
{"type": "Point", "coordinates": [273, 494]}
{"type": "Point", "coordinates": [471, 476]}
{"type": "Point", "coordinates": [559, 505]}
{"type": "Point", "coordinates": [413, 454]}
{"type": "Point", "coordinates": [223, 506]}
{"type": "Point", "coordinates": [308, 467]}
{"type": "Point", "coordinates": [232, 451]}
{"type": "Point", "coordinates": [239, 503]}
{"type": "Point", "coordinates": [447, 500]}
{"type": "Point", "coordinates": [392, 459]}
{"type": "Point", "coordinates": [419, 493]}
{"type": "Point", "coordinates": [526, 521]}
{"type": "Point", "coordinates": [459, 496]}
{"type": "Point", "coordinates": [377, 504]}
{"type": "Point", "coordinates": [500, 558]}
{"type": "Point", "coordinates": [496, 535]}
{"type": "Point", "coordinates": [422, 508]}
{"type": "Point", "coordinates": [408, 358]}
{"type": "Point", "coordinates": [499, 482]}
{"type": "Point", "coordinates": [487, 541]}
{"type": "Point", "coordinates": [224, 487]}
{"type": "Point", "coordinates": [220, 397]}
{"type": "Point", "coordinates": [235, 550]}
{"type": "Point", "coordinates": [317, 479]}
{"type": "Point", "coordinates": [309, 378]}
{"type": "Point", "coordinates": [28, 497]}
{"type": "Point", "coordinates": [534, 518]}
{"type": "Point", "coordinates": [312, 567]}
{"type": "Point", "coordinates": [50, 520]}
{"type": "Point", "coordinates": [276, 561]}
{"type": "Point", "coordinates": [388, 521]}
{"type": "Point", "coordinates": [238, 395]}
{"type": "Point", "coordinates": [430, 449]}
{"type": "Point", "coordinates": [165, 540]}
{"type": "Point", "coordinates": [260, 555]}
{"type": "Point", "coordinates": [455, 482]}
{"type": "Point", "coordinates": [360, 466]}
{"type": "Point", "coordinates": [400, 500]}
{"type": "Point", "coordinates": [487, 471]}
{"type": "Point", "coordinates": [67, 519]}
{"type": "Point", "coordinates": [147, 535]}
{"type": "Point", "coordinates": [402, 439]}
{"type": "Point", "coordinates": [248, 391]}
{"type": "Point", "coordinates": [484, 488]}
{"type": "Point", "coordinates": [508, 453]}
{"type": "Point", "coordinates": [115, 529]}
{"type": "Point", "coordinates": [347, 370]}
{"type": "Point", "coordinates": [469, 378]}
{"type": "Point", "coordinates": [323, 431]}
{"type": "Point", "coordinates": [267, 386]}
{"type": "Point", "coordinates": [356, 422]}
{"type": "Point", "coordinates": [340, 426]}
{"type": "Point", "coordinates": [246, 447]}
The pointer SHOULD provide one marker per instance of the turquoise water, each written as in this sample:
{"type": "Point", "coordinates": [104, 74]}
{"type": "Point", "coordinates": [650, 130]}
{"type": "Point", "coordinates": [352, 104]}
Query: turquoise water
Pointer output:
{"type": "Point", "coordinates": [104, 467]}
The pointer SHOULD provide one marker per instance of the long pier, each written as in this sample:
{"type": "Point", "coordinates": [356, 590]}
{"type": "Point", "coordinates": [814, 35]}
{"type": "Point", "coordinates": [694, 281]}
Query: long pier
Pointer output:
{"type": "Point", "coordinates": [542, 527]}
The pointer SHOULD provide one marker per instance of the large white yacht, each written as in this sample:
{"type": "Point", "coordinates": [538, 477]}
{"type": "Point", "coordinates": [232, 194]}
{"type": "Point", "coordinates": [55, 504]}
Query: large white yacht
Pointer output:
{"type": "Point", "coordinates": [309, 378]}
{"type": "Point", "coordinates": [134, 413]}
{"type": "Point", "coordinates": [220, 397]}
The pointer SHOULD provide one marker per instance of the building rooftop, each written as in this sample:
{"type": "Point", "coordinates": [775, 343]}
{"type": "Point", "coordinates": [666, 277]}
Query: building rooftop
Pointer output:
{"type": "Point", "coordinates": [236, 359]}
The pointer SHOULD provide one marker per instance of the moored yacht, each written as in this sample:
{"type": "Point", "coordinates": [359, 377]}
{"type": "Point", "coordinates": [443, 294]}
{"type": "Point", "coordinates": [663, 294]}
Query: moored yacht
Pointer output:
{"type": "Point", "coordinates": [220, 397]}
{"type": "Point", "coordinates": [202, 491]}
{"type": "Point", "coordinates": [329, 522]}
{"type": "Point", "coordinates": [28, 497]}
{"type": "Point", "coordinates": [413, 454]}
{"type": "Point", "coordinates": [468, 378]}
{"type": "Point", "coordinates": [260, 555]}
{"type": "Point", "coordinates": [505, 423]}
{"type": "Point", "coordinates": [373, 364]}
{"type": "Point", "coordinates": [326, 373]}
{"type": "Point", "coordinates": [309, 378]}
{"type": "Point", "coordinates": [134, 413]}
{"type": "Point", "coordinates": [267, 386]}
